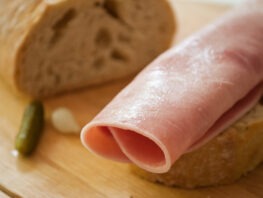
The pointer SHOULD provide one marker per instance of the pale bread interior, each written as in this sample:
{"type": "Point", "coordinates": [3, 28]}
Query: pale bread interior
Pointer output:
{"type": "Point", "coordinates": [80, 43]}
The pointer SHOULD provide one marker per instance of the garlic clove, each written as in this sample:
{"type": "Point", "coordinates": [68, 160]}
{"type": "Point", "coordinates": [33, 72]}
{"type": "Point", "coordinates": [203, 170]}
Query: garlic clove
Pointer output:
{"type": "Point", "coordinates": [64, 121]}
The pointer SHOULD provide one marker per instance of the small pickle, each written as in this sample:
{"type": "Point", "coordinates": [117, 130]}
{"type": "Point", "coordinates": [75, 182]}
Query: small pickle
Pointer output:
{"type": "Point", "coordinates": [31, 128]}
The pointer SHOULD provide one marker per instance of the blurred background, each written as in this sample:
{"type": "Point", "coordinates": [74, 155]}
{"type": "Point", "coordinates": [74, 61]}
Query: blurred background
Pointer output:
{"type": "Point", "coordinates": [220, 1]}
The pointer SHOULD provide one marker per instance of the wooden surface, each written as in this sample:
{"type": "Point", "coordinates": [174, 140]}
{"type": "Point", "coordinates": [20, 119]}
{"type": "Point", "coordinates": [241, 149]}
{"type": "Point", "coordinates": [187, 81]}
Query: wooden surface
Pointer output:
{"type": "Point", "coordinates": [61, 167]}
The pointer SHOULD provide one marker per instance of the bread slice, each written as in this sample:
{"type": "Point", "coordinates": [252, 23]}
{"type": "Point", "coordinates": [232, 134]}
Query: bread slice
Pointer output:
{"type": "Point", "coordinates": [49, 46]}
{"type": "Point", "coordinates": [227, 157]}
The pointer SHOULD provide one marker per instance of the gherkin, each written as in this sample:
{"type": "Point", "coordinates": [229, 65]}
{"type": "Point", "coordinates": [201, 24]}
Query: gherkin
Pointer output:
{"type": "Point", "coordinates": [31, 128]}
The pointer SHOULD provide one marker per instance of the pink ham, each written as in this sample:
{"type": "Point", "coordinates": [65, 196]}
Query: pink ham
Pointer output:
{"type": "Point", "coordinates": [185, 97]}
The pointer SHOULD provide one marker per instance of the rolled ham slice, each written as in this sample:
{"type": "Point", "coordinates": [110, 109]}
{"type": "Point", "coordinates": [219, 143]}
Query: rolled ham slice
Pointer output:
{"type": "Point", "coordinates": [187, 96]}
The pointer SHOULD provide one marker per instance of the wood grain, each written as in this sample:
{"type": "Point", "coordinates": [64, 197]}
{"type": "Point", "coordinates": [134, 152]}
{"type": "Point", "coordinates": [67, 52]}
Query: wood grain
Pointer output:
{"type": "Point", "coordinates": [62, 167]}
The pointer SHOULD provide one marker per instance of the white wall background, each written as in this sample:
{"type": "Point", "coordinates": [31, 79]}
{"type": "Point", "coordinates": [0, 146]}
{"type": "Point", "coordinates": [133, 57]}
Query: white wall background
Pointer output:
{"type": "Point", "coordinates": [221, 1]}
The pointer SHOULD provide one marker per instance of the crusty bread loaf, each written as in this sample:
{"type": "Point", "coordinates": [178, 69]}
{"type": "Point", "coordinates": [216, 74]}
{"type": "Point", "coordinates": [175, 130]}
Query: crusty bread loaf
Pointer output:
{"type": "Point", "coordinates": [49, 46]}
{"type": "Point", "coordinates": [233, 153]}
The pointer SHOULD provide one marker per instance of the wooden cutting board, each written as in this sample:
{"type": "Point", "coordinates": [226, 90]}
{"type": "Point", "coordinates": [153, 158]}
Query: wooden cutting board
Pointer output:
{"type": "Point", "coordinates": [61, 167]}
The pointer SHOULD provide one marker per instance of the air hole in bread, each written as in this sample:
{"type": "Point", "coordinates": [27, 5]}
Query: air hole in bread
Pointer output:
{"type": "Point", "coordinates": [111, 7]}
{"type": "Point", "coordinates": [99, 63]}
{"type": "Point", "coordinates": [138, 5]}
{"type": "Point", "coordinates": [103, 38]}
{"type": "Point", "coordinates": [118, 55]}
{"type": "Point", "coordinates": [97, 4]}
{"type": "Point", "coordinates": [61, 25]}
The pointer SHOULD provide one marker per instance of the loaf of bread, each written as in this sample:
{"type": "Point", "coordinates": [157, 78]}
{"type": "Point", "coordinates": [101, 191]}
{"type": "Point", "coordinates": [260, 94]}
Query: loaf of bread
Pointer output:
{"type": "Point", "coordinates": [50, 46]}
{"type": "Point", "coordinates": [233, 153]}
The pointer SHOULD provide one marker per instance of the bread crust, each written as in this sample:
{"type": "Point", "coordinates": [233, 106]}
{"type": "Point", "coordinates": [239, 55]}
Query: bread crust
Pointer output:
{"type": "Point", "coordinates": [22, 22]}
{"type": "Point", "coordinates": [223, 160]}
{"type": "Point", "coordinates": [15, 23]}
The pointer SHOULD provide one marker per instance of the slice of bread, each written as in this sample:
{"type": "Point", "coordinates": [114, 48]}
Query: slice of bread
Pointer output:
{"type": "Point", "coordinates": [227, 157]}
{"type": "Point", "coordinates": [49, 46]}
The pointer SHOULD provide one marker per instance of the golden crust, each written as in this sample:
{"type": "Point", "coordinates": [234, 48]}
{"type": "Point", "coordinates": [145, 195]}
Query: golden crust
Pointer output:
{"type": "Point", "coordinates": [15, 25]}
{"type": "Point", "coordinates": [233, 153]}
